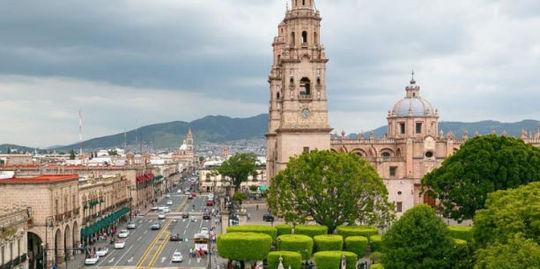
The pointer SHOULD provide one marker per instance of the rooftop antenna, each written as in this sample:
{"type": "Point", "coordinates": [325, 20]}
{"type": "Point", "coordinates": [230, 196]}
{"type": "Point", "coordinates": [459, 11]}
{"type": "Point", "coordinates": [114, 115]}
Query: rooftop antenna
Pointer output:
{"type": "Point", "coordinates": [80, 133]}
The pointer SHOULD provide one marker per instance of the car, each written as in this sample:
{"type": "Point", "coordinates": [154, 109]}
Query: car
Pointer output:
{"type": "Point", "coordinates": [177, 257]}
{"type": "Point", "coordinates": [161, 208]}
{"type": "Point", "coordinates": [161, 216]}
{"type": "Point", "coordinates": [185, 215]}
{"type": "Point", "coordinates": [154, 208]}
{"type": "Point", "coordinates": [190, 197]}
{"type": "Point", "coordinates": [131, 225]}
{"type": "Point", "coordinates": [233, 217]}
{"type": "Point", "coordinates": [168, 196]}
{"type": "Point", "coordinates": [209, 203]}
{"type": "Point", "coordinates": [193, 194]}
{"type": "Point", "coordinates": [123, 234]}
{"type": "Point", "coordinates": [175, 237]}
{"type": "Point", "coordinates": [169, 202]}
{"type": "Point", "coordinates": [179, 191]}
{"type": "Point", "coordinates": [91, 260]}
{"type": "Point", "coordinates": [204, 230]}
{"type": "Point", "coordinates": [268, 218]}
{"type": "Point", "coordinates": [155, 226]}
{"type": "Point", "coordinates": [102, 252]}
{"type": "Point", "coordinates": [166, 210]}
{"type": "Point", "coordinates": [233, 222]}
{"type": "Point", "coordinates": [119, 244]}
{"type": "Point", "coordinates": [207, 215]}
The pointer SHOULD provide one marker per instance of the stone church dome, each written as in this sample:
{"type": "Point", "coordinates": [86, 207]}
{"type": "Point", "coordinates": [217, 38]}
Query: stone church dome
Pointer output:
{"type": "Point", "coordinates": [413, 104]}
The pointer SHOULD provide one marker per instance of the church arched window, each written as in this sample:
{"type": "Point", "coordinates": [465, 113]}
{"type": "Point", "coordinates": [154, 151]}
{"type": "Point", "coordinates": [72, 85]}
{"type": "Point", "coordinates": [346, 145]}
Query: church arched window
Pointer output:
{"type": "Point", "coordinates": [303, 2]}
{"type": "Point", "coordinates": [304, 37]}
{"type": "Point", "coordinates": [314, 37]}
{"type": "Point", "coordinates": [306, 84]}
{"type": "Point", "coordinates": [277, 95]}
{"type": "Point", "coordinates": [292, 39]}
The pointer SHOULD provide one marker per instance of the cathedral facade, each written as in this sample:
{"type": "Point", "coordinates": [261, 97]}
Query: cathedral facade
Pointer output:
{"type": "Point", "coordinates": [298, 122]}
{"type": "Point", "coordinates": [186, 153]}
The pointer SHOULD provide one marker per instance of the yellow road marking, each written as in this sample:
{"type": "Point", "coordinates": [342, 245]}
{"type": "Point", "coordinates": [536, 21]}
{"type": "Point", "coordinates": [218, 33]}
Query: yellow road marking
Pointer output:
{"type": "Point", "coordinates": [151, 246]}
{"type": "Point", "coordinates": [160, 250]}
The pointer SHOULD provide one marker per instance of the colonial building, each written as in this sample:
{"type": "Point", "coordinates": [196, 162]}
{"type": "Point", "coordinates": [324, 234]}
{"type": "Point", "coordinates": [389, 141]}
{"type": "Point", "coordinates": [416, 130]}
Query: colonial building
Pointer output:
{"type": "Point", "coordinates": [13, 237]}
{"type": "Point", "coordinates": [54, 204]}
{"type": "Point", "coordinates": [298, 117]}
{"type": "Point", "coordinates": [186, 153]}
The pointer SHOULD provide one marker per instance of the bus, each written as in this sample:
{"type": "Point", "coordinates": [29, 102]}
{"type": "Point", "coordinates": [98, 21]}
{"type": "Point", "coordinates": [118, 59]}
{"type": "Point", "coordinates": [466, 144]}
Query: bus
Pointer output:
{"type": "Point", "coordinates": [201, 241]}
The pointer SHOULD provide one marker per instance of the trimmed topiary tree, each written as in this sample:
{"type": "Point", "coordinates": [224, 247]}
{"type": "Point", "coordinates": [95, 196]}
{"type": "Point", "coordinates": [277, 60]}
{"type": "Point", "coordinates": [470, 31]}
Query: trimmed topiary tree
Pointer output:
{"type": "Point", "coordinates": [332, 259]}
{"type": "Point", "coordinates": [271, 231]}
{"type": "Point", "coordinates": [328, 242]}
{"type": "Point", "coordinates": [356, 244]}
{"type": "Point", "coordinates": [244, 246]}
{"type": "Point", "coordinates": [461, 232]}
{"type": "Point", "coordinates": [376, 256]}
{"type": "Point", "coordinates": [290, 258]}
{"type": "Point", "coordinates": [357, 230]}
{"type": "Point", "coordinates": [310, 230]}
{"type": "Point", "coordinates": [376, 266]}
{"type": "Point", "coordinates": [376, 243]}
{"type": "Point", "coordinates": [283, 229]}
{"type": "Point", "coordinates": [297, 243]}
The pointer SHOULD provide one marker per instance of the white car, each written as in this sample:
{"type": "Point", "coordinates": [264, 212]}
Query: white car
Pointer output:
{"type": "Point", "coordinates": [102, 252]}
{"type": "Point", "coordinates": [119, 244]}
{"type": "Point", "coordinates": [131, 225]}
{"type": "Point", "coordinates": [204, 230]}
{"type": "Point", "coordinates": [123, 234]}
{"type": "Point", "coordinates": [188, 193]}
{"type": "Point", "coordinates": [155, 208]}
{"type": "Point", "coordinates": [169, 202]}
{"type": "Point", "coordinates": [179, 191]}
{"type": "Point", "coordinates": [168, 196]}
{"type": "Point", "coordinates": [177, 257]}
{"type": "Point", "coordinates": [161, 216]}
{"type": "Point", "coordinates": [91, 260]}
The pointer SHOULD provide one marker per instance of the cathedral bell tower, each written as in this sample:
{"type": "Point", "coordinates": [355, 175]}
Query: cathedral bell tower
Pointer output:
{"type": "Point", "coordinates": [298, 116]}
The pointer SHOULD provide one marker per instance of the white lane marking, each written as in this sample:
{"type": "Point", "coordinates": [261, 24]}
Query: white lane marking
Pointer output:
{"type": "Point", "coordinates": [129, 260]}
{"type": "Point", "coordinates": [189, 261]}
{"type": "Point", "coordinates": [111, 260]}
{"type": "Point", "coordinates": [185, 231]}
{"type": "Point", "coordinates": [121, 257]}
{"type": "Point", "coordinates": [163, 259]}
{"type": "Point", "coordinates": [145, 231]}
{"type": "Point", "coordinates": [200, 225]}
{"type": "Point", "coordinates": [188, 225]}
{"type": "Point", "coordinates": [139, 238]}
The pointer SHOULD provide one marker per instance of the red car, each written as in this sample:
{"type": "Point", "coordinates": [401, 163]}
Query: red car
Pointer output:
{"type": "Point", "coordinates": [193, 194]}
{"type": "Point", "coordinates": [209, 203]}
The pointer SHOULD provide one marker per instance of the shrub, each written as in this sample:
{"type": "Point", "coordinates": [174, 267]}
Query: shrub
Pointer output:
{"type": "Point", "coordinates": [461, 232]}
{"type": "Point", "coordinates": [292, 259]}
{"type": "Point", "coordinates": [356, 230]}
{"type": "Point", "coordinates": [332, 259]}
{"type": "Point", "coordinates": [328, 242]}
{"type": "Point", "coordinates": [356, 244]}
{"type": "Point", "coordinates": [376, 266]}
{"type": "Point", "coordinates": [297, 243]}
{"type": "Point", "coordinates": [283, 229]}
{"type": "Point", "coordinates": [310, 230]}
{"type": "Point", "coordinates": [271, 231]}
{"type": "Point", "coordinates": [244, 246]}
{"type": "Point", "coordinates": [376, 242]}
{"type": "Point", "coordinates": [375, 256]}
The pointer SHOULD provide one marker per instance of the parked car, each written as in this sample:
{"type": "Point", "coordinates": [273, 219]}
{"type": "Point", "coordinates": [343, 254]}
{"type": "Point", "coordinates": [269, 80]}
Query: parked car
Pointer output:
{"type": "Point", "coordinates": [209, 203]}
{"type": "Point", "coordinates": [155, 226]}
{"type": "Point", "coordinates": [119, 244]}
{"type": "Point", "coordinates": [91, 260]}
{"type": "Point", "coordinates": [185, 215]}
{"type": "Point", "coordinates": [123, 234]}
{"type": "Point", "coordinates": [177, 257]}
{"type": "Point", "coordinates": [193, 194]}
{"type": "Point", "coordinates": [175, 237]}
{"type": "Point", "coordinates": [154, 208]}
{"type": "Point", "coordinates": [169, 202]}
{"type": "Point", "coordinates": [179, 191]}
{"type": "Point", "coordinates": [268, 218]}
{"type": "Point", "coordinates": [131, 225]}
{"type": "Point", "coordinates": [102, 252]}
{"type": "Point", "coordinates": [161, 216]}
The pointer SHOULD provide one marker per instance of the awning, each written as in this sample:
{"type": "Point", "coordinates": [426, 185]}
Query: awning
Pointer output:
{"type": "Point", "coordinates": [262, 188]}
{"type": "Point", "coordinates": [104, 222]}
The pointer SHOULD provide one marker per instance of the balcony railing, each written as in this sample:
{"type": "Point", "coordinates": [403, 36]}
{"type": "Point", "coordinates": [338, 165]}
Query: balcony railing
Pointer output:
{"type": "Point", "coordinates": [59, 217]}
{"type": "Point", "coordinates": [303, 96]}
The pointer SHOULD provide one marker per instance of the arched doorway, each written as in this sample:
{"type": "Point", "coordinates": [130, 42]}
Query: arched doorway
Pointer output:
{"type": "Point", "coordinates": [58, 247]}
{"type": "Point", "coordinates": [76, 235]}
{"type": "Point", "coordinates": [35, 251]}
{"type": "Point", "coordinates": [68, 237]}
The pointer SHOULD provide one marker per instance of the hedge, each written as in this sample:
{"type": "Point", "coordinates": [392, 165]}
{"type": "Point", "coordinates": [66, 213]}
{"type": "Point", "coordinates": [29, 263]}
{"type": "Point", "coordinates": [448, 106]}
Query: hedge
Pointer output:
{"type": "Point", "coordinates": [328, 242]}
{"type": "Point", "coordinates": [376, 243]}
{"type": "Point", "coordinates": [461, 232]}
{"type": "Point", "coordinates": [297, 243]}
{"type": "Point", "coordinates": [244, 246]}
{"type": "Point", "coordinates": [356, 230]}
{"type": "Point", "coordinates": [376, 266]}
{"type": "Point", "coordinates": [356, 244]}
{"type": "Point", "coordinates": [271, 231]}
{"type": "Point", "coordinates": [290, 258]}
{"type": "Point", "coordinates": [460, 242]}
{"type": "Point", "coordinates": [283, 229]}
{"type": "Point", "coordinates": [332, 259]}
{"type": "Point", "coordinates": [375, 256]}
{"type": "Point", "coordinates": [310, 230]}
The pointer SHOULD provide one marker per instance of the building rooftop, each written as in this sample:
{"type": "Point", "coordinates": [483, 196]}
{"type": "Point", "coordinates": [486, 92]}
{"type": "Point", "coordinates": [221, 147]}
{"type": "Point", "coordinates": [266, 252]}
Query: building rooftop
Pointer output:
{"type": "Point", "coordinates": [41, 179]}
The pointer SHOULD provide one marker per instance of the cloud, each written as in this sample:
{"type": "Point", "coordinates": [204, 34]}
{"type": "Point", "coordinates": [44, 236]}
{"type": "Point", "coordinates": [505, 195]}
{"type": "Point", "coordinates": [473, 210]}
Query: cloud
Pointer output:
{"type": "Point", "coordinates": [473, 59]}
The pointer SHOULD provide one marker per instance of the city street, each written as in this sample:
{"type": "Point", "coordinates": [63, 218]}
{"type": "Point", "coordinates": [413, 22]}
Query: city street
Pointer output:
{"type": "Point", "coordinates": [152, 248]}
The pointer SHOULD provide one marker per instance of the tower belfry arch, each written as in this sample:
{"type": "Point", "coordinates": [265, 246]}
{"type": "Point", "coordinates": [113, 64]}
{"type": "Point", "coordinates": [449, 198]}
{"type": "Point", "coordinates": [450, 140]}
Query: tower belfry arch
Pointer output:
{"type": "Point", "coordinates": [298, 114]}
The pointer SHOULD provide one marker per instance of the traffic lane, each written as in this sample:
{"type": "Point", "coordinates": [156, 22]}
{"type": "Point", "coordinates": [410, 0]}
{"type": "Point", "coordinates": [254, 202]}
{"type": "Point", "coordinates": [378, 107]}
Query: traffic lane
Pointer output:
{"type": "Point", "coordinates": [140, 241]}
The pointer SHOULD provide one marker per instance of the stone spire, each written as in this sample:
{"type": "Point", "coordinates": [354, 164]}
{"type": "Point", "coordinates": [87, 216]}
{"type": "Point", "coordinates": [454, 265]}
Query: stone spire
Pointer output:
{"type": "Point", "coordinates": [303, 4]}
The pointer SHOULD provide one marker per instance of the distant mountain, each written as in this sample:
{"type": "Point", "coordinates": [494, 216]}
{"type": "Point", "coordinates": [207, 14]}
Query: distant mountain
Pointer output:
{"type": "Point", "coordinates": [215, 129]}
{"type": "Point", "coordinates": [482, 127]}
{"type": "Point", "coordinates": [14, 148]}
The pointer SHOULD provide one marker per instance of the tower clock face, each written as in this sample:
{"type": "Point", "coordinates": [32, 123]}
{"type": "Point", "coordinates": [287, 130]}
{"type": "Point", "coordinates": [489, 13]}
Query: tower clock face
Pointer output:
{"type": "Point", "coordinates": [305, 112]}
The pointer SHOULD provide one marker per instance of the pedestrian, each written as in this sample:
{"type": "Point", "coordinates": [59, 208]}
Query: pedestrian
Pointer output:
{"type": "Point", "coordinates": [257, 207]}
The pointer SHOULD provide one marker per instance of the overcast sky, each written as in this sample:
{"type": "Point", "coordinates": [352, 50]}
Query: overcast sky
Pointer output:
{"type": "Point", "coordinates": [133, 62]}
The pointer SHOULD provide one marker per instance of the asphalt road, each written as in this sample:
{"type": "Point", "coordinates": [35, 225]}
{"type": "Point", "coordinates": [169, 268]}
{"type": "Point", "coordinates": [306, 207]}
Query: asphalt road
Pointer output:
{"type": "Point", "coordinates": [152, 248]}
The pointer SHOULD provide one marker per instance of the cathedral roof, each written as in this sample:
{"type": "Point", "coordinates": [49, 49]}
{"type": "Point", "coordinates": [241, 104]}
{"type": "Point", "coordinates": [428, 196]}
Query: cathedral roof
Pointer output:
{"type": "Point", "coordinates": [413, 104]}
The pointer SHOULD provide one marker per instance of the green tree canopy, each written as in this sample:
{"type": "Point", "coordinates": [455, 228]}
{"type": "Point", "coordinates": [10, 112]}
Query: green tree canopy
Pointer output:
{"type": "Point", "coordinates": [333, 188]}
{"type": "Point", "coordinates": [419, 239]}
{"type": "Point", "coordinates": [482, 165]}
{"type": "Point", "coordinates": [238, 168]}
{"type": "Point", "coordinates": [507, 213]}
{"type": "Point", "coordinates": [517, 253]}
